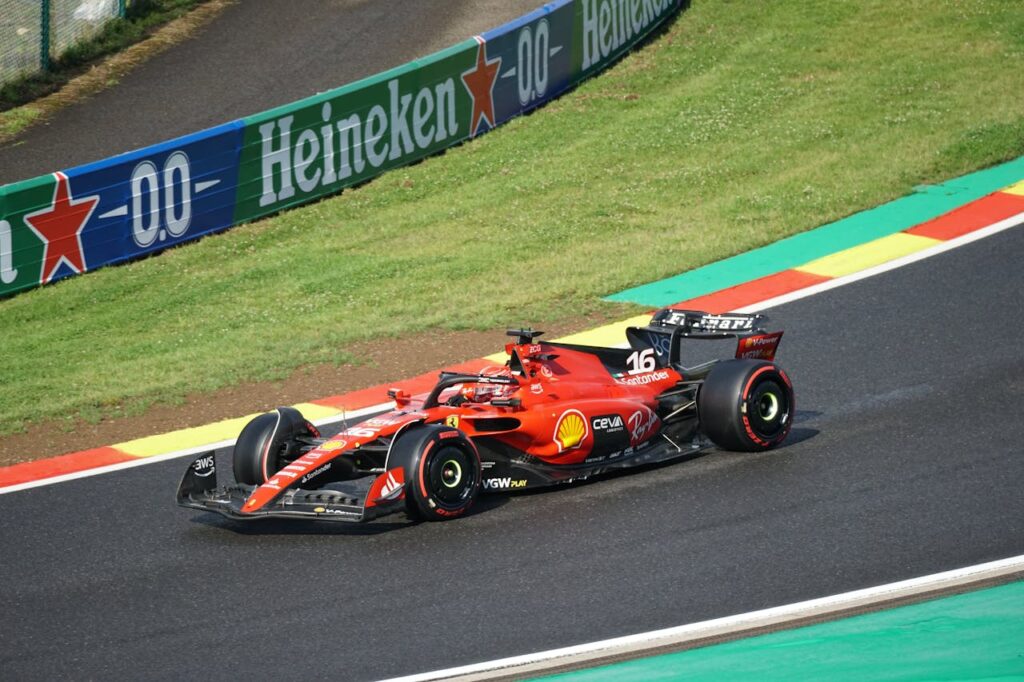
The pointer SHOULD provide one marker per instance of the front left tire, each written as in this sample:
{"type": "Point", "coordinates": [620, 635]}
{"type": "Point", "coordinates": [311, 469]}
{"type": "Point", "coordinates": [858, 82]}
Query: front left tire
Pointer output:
{"type": "Point", "coordinates": [442, 472]}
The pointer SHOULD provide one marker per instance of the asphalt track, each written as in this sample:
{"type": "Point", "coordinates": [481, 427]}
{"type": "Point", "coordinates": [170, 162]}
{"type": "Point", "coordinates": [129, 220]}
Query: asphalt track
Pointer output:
{"type": "Point", "coordinates": [254, 56]}
{"type": "Point", "coordinates": [905, 460]}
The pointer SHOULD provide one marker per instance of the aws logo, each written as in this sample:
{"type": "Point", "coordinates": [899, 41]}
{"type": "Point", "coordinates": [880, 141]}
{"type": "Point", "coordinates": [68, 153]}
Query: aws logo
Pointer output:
{"type": "Point", "coordinates": [571, 430]}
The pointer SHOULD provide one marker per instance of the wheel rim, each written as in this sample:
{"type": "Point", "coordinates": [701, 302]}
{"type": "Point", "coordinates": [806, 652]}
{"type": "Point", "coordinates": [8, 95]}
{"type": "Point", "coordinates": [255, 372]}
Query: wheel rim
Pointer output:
{"type": "Point", "coordinates": [768, 409]}
{"type": "Point", "coordinates": [450, 478]}
{"type": "Point", "coordinates": [451, 474]}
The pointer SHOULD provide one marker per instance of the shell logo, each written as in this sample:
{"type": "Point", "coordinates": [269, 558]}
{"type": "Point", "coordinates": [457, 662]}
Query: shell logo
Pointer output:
{"type": "Point", "coordinates": [571, 430]}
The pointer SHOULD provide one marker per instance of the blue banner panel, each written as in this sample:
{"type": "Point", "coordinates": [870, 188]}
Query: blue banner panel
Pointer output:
{"type": "Point", "coordinates": [153, 198]}
{"type": "Point", "coordinates": [534, 57]}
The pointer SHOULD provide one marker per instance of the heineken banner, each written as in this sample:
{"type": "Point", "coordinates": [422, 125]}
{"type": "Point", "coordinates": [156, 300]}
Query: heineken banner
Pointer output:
{"type": "Point", "coordinates": [134, 204]}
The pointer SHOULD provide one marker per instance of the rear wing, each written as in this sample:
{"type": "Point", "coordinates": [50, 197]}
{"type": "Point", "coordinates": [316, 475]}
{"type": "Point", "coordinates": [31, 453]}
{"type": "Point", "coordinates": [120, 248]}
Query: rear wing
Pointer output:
{"type": "Point", "coordinates": [669, 326]}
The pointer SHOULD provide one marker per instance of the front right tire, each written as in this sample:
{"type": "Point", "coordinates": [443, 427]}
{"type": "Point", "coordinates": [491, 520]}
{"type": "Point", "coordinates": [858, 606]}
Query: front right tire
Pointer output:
{"type": "Point", "coordinates": [268, 443]}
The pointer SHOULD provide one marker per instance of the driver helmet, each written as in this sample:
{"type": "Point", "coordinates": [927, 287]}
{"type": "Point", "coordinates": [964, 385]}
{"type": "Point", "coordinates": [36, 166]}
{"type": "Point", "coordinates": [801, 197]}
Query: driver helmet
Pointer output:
{"type": "Point", "coordinates": [484, 393]}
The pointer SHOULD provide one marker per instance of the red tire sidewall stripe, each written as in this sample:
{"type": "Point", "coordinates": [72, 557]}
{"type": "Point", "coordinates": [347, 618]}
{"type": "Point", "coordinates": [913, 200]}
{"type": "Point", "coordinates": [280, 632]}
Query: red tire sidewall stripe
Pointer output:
{"type": "Point", "coordinates": [423, 464]}
{"type": "Point", "coordinates": [792, 405]}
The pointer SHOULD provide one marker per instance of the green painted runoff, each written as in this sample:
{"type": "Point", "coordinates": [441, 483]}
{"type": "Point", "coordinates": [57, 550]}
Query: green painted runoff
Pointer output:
{"type": "Point", "coordinates": [977, 635]}
{"type": "Point", "coordinates": [926, 203]}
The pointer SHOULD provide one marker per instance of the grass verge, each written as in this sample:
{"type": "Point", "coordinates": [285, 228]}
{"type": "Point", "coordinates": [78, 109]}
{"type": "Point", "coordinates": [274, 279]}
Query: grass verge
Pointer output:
{"type": "Point", "coordinates": [739, 125]}
{"type": "Point", "coordinates": [141, 17]}
{"type": "Point", "coordinates": [149, 27]}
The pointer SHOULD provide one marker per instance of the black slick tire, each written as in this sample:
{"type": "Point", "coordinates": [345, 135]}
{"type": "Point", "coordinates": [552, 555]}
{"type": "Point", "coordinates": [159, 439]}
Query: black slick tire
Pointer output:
{"type": "Point", "coordinates": [442, 471]}
{"type": "Point", "coordinates": [746, 405]}
{"type": "Point", "coordinates": [268, 443]}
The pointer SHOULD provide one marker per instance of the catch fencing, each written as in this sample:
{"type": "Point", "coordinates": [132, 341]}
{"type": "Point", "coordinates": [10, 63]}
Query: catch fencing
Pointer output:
{"type": "Point", "coordinates": [135, 204]}
{"type": "Point", "coordinates": [32, 32]}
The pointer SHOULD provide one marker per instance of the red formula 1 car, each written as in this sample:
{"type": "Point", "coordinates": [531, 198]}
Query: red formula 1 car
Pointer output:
{"type": "Point", "coordinates": [553, 414]}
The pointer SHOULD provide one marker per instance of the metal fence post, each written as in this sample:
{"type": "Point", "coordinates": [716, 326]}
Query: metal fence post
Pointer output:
{"type": "Point", "coordinates": [44, 35]}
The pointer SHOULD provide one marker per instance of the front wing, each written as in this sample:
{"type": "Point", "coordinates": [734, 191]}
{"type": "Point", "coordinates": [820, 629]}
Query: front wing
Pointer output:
{"type": "Point", "coordinates": [341, 502]}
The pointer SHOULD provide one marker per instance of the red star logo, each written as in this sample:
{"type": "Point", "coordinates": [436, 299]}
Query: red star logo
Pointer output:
{"type": "Point", "coordinates": [60, 228]}
{"type": "Point", "coordinates": [480, 83]}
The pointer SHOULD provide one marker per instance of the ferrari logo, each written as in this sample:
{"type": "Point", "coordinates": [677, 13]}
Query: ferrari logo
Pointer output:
{"type": "Point", "coordinates": [452, 421]}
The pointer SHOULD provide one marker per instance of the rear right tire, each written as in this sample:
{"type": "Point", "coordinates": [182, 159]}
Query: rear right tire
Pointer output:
{"type": "Point", "coordinates": [746, 405]}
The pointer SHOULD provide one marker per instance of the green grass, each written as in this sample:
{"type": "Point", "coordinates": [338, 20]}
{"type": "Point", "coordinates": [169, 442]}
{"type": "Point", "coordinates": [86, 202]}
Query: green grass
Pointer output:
{"type": "Point", "coordinates": [15, 120]}
{"type": "Point", "coordinates": [739, 125]}
{"type": "Point", "coordinates": [141, 17]}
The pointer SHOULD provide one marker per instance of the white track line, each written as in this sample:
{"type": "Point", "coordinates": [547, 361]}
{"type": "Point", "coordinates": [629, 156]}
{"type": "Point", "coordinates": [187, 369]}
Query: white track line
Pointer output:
{"type": "Point", "coordinates": [354, 414]}
{"type": "Point", "coordinates": [769, 303]}
{"type": "Point", "coordinates": [535, 664]}
{"type": "Point", "coordinates": [942, 247]}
